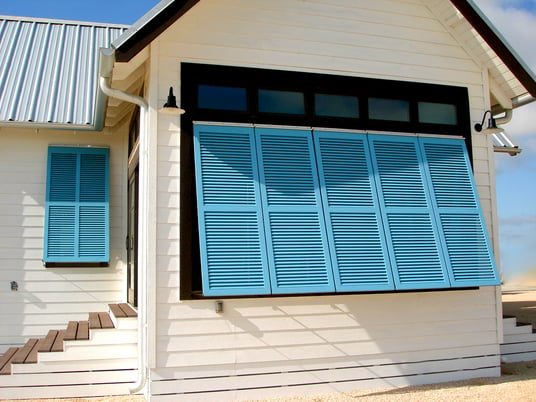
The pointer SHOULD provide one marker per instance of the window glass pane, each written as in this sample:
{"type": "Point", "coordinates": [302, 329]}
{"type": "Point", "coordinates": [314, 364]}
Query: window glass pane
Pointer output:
{"type": "Point", "coordinates": [388, 109]}
{"type": "Point", "coordinates": [437, 113]}
{"type": "Point", "coordinates": [336, 106]}
{"type": "Point", "coordinates": [288, 102]}
{"type": "Point", "coordinates": [222, 98]}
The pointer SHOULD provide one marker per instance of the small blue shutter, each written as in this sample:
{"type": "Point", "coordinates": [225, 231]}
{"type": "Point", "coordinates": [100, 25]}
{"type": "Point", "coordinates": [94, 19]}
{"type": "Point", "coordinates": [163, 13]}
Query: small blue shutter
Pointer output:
{"type": "Point", "coordinates": [77, 205]}
{"type": "Point", "coordinates": [459, 215]}
{"type": "Point", "coordinates": [295, 229]}
{"type": "Point", "coordinates": [357, 240]}
{"type": "Point", "coordinates": [232, 243]}
{"type": "Point", "coordinates": [412, 233]}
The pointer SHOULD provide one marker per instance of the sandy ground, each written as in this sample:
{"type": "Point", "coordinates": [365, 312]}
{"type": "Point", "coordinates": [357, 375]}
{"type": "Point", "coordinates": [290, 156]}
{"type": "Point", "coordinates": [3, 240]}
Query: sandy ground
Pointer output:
{"type": "Point", "coordinates": [517, 383]}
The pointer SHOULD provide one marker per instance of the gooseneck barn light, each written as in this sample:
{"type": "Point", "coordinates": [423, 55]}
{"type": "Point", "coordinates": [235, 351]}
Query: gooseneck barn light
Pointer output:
{"type": "Point", "coordinates": [491, 127]}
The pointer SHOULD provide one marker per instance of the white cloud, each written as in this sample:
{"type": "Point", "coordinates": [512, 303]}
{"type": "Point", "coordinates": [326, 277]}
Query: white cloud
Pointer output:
{"type": "Point", "coordinates": [516, 20]}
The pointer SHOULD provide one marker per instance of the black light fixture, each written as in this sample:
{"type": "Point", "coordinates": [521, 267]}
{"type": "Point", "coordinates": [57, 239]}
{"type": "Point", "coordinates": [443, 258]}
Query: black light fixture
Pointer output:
{"type": "Point", "coordinates": [491, 127]}
{"type": "Point", "coordinates": [170, 107]}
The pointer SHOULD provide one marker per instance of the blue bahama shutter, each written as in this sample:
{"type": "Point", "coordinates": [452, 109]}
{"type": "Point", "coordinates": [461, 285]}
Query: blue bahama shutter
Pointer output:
{"type": "Point", "coordinates": [458, 212]}
{"type": "Point", "coordinates": [77, 206]}
{"type": "Point", "coordinates": [232, 242]}
{"type": "Point", "coordinates": [407, 212]}
{"type": "Point", "coordinates": [355, 230]}
{"type": "Point", "coordinates": [295, 229]}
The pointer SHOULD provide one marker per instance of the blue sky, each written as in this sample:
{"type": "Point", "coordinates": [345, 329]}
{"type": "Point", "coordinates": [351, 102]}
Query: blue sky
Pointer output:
{"type": "Point", "coordinates": [516, 176]}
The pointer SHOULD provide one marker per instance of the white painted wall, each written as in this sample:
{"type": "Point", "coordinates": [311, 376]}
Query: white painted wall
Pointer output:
{"type": "Point", "coordinates": [49, 297]}
{"type": "Point", "coordinates": [193, 345]}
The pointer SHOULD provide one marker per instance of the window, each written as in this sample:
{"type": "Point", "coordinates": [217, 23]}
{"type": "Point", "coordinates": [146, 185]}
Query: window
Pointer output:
{"type": "Point", "coordinates": [285, 211]}
{"type": "Point", "coordinates": [437, 113]}
{"type": "Point", "coordinates": [388, 109]}
{"type": "Point", "coordinates": [337, 106]}
{"type": "Point", "coordinates": [222, 98]}
{"type": "Point", "coordinates": [285, 102]}
{"type": "Point", "coordinates": [77, 206]}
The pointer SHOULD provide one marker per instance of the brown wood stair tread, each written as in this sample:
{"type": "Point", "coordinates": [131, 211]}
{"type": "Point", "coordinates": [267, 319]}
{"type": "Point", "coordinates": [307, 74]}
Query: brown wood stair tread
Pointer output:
{"type": "Point", "coordinates": [23, 354]}
{"type": "Point", "coordinates": [46, 345]}
{"type": "Point", "coordinates": [57, 346]}
{"type": "Point", "coordinates": [5, 361]}
{"type": "Point", "coordinates": [77, 331]}
{"type": "Point", "coordinates": [100, 321]}
{"type": "Point", "coordinates": [123, 310]}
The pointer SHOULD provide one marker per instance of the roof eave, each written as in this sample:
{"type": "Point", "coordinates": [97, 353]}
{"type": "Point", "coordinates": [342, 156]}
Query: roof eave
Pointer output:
{"type": "Point", "coordinates": [498, 43]}
{"type": "Point", "coordinates": [49, 126]}
{"type": "Point", "coordinates": [152, 24]}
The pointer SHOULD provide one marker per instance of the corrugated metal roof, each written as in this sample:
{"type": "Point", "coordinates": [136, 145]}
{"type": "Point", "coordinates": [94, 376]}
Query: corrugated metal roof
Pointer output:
{"type": "Point", "coordinates": [48, 71]}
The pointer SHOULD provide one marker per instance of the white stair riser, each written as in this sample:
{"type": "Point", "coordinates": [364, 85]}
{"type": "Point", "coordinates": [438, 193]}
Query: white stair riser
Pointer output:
{"type": "Point", "coordinates": [112, 336]}
{"type": "Point", "coordinates": [66, 366]}
{"type": "Point", "coordinates": [518, 347]}
{"type": "Point", "coordinates": [125, 323]}
{"type": "Point", "coordinates": [518, 357]}
{"type": "Point", "coordinates": [90, 352]}
{"type": "Point", "coordinates": [519, 338]}
{"type": "Point", "coordinates": [522, 329]}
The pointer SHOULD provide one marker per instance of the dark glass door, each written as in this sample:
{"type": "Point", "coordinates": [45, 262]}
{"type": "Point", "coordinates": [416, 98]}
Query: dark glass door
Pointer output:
{"type": "Point", "coordinates": [132, 239]}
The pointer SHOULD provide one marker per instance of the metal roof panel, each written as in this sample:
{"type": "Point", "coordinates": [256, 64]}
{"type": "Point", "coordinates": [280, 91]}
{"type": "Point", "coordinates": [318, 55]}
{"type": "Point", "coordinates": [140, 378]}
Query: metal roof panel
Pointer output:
{"type": "Point", "coordinates": [48, 70]}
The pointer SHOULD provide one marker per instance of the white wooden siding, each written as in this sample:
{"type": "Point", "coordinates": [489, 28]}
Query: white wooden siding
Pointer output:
{"type": "Point", "coordinates": [194, 346]}
{"type": "Point", "coordinates": [49, 297]}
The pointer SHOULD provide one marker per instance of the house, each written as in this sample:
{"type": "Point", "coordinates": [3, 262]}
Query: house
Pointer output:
{"type": "Point", "coordinates": [321, 218]}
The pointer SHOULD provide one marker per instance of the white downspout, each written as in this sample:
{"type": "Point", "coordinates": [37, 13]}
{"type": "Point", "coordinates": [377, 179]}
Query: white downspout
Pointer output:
{"type": "Point", "coordinates": [107, 59]}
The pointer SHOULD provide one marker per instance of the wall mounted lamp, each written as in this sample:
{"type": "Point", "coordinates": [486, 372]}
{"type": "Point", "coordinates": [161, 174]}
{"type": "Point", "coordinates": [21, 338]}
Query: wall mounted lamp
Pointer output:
{"type": "Point", "coordinates": [491, 127]}
{"type": "Point", "coordinates": [170, 107]}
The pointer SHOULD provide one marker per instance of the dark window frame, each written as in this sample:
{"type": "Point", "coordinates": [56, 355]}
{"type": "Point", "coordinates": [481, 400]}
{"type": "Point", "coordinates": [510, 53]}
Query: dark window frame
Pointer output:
{"type": "Point", "coordinates": [254, 79]}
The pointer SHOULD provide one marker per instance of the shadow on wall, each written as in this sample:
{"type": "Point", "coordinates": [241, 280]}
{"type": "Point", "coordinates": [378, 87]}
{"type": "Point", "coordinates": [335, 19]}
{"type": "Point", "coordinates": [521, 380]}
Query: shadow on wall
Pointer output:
{"type": "Point", "coordinates": [362, 335]}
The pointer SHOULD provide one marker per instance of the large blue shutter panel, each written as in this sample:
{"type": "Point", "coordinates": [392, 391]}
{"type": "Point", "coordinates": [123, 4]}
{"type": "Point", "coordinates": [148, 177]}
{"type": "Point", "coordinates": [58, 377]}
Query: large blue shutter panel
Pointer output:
{"type": "Point", "coordinates": [458, 212]}
{"type": "Point", "coordinates": [357, 240]}
{"type": "Point", "coordinates": [411, 230]}
{"type": "Point", "coordinates": [286, 211]}
{"type": "Point", "coordinates": [296, 233]}
{"type": "Point", "coordinates": [232, 240]}
{"type": "Point", "coordinates": [77, 206]}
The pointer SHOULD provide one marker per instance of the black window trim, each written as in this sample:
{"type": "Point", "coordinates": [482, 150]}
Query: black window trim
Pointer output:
{"type": "Point", "coordinates": [252, 79]}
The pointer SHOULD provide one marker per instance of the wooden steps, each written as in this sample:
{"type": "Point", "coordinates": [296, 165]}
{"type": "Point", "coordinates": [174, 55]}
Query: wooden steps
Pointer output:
{"type": "Point", "coordinates": [55, 340]}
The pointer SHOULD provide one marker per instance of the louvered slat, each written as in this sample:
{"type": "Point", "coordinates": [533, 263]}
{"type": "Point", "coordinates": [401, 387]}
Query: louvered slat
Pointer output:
{"type": "Point", "coordinates": [407, 212]}
{"type": "Point", "coordinates": [357, 241]}
{"type": "Point", "coordinates": [467, 246]}
{"type": "Point", "coordinates": [295, 230]}
{"type": "Point", "coordinates": [233, 250]}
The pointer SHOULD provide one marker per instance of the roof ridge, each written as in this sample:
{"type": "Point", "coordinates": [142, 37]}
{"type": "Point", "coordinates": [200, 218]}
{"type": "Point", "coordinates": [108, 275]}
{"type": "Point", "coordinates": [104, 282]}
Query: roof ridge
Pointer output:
{"type": "Point", "coordinates": [63, 22]}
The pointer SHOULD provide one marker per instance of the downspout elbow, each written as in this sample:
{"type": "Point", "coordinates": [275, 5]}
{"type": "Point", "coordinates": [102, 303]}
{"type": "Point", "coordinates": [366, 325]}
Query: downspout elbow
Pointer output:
{"type": "Point", "coordinates": [506, 118]}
